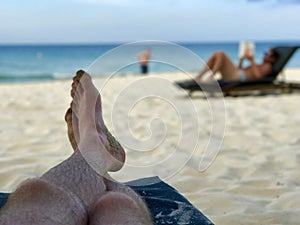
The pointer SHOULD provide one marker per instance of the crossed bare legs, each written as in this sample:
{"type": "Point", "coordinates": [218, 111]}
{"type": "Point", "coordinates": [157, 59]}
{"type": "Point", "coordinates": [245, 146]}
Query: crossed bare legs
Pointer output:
{"type": "Point", "coordinates": [73, 192]}
{"type": "Point", "coordinates": [219, 62]}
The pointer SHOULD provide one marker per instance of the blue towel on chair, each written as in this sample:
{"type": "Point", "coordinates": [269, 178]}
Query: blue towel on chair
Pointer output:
{"type": "Point", "coordinates": [166, 205]}
{"type": "Point", "coordinates": [3, 199]}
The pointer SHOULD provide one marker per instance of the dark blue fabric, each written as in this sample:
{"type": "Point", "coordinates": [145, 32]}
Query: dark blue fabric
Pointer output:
{"type": "Point", "coordinates": [166, 205]}
{"type": "Point", "coordinates": [3, 198]}
{"type": "Point", "coordinates": [144, 69]}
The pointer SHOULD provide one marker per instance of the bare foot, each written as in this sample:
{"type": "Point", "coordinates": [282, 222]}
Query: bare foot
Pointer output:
{"type": "Point", "coordinates": [72, 125]}
{"type": "Point", "coordinates": [85, 118]}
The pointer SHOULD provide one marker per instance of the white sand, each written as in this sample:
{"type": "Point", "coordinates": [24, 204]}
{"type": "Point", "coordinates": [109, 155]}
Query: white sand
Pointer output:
{"type": "Point", "coordinates": [255, 178]}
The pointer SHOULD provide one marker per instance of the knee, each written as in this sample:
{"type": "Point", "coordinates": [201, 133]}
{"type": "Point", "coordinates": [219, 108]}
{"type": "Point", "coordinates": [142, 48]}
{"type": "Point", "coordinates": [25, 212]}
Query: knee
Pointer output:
{"type": "Point", "coordinates": [114, 201]}
{"type": "Point", "coordinates": [42, 200]}
{"type": "Point", "coordinates": [115, 208]}
{"type": "Point", "coordinates": [28, 190]}
{"type": "Point", "coordinates": [220, 54]}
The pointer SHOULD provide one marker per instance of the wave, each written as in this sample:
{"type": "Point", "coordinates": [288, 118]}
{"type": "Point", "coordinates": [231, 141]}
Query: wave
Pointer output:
{"type": "Point", "coordinates": [19, 78]}
{"type": "Point", "coordinates": [24, 78]}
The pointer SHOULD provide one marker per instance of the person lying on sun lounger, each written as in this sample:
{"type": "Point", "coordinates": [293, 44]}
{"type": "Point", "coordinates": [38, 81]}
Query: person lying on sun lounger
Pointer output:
{"type": "Point", "coordinates": [220, 62]}
{"type": "Point", "coordinates": [73, 192]}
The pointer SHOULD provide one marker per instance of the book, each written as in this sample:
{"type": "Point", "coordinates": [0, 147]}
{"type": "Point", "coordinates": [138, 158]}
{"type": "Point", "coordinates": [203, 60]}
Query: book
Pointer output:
{"type": "Point", "coordinates": [246, 48]}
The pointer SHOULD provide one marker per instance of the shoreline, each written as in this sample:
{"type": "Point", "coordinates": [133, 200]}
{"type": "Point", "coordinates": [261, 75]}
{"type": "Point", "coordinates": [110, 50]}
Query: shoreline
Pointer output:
{"type": "Point", "coordinates": [290, 74]}
{"type": "Point", "coordinates": [254, 178]}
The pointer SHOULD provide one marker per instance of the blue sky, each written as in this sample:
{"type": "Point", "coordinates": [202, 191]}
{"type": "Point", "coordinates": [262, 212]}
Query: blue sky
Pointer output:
{"type": "Point", "coordinates": [96, 21]}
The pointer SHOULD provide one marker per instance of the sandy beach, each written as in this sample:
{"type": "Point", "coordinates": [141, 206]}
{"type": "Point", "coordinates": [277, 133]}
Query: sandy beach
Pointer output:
{"type": "Point", "coordinates": [254, 178]}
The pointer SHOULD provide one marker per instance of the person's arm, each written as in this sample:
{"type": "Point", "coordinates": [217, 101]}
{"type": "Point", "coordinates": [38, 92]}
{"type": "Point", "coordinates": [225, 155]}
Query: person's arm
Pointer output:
{"type": "Point", "coordinates": [240, 62]}
{"type": "Point", "coordinates": [254, 69]}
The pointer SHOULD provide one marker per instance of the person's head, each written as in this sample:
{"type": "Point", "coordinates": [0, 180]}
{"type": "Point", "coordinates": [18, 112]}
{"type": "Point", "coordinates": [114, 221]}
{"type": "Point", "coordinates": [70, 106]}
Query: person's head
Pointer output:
{"type": "Point", "coordinates": [270, 56]}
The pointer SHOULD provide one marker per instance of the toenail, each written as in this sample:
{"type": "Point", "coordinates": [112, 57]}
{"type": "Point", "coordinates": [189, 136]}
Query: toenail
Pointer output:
{"type": "Point", "coordinates": [80, 73]}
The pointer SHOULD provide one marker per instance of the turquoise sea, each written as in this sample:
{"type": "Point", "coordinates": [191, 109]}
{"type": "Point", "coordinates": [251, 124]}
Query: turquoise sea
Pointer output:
{"type": "Point", "coordinates": [29, 63]}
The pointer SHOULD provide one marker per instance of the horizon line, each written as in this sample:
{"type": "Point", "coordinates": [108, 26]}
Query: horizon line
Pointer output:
{"type": "Point", "coordinates": [126, 42]}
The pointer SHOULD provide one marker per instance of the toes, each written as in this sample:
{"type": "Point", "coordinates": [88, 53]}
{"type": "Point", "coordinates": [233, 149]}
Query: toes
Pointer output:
{"type": "Point", "coordinates": [76, 81]}
{"type": "Point", "coordinates": [83, 78]}
{"type": "Point", "coordinates": [80, 73]}
{"type": "Point", "coordinates": [72, 93]}
{"type": "Point", "coordinates": [73, 89]}
{"type": "Point", "coordinates": [68, 115]}
{"type": "Point", "coordinates": [74, 86]}
{"type": "Point", "coordinates": [74, 107]}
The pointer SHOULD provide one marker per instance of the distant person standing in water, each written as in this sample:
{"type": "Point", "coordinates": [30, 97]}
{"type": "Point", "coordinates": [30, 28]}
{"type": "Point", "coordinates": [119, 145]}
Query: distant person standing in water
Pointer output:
{"type": "Point", "coordinates": [144, 58]}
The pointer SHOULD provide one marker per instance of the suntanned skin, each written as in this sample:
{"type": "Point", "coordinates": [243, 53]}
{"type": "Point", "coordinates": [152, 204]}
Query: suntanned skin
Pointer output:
{"type": "Point", "coordinates": [73, 192]}
{"type": "Point", "coordinates": [220, 62]}
{"type": "Point", "coordinates": [144, 57]}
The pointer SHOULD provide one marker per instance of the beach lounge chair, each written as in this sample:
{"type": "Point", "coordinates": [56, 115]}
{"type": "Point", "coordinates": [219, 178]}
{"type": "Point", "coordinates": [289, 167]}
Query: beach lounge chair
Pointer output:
{"type": "Point", "coordinates": [267, 84]}
{"type": "Point", "coordinates": [166, 205]}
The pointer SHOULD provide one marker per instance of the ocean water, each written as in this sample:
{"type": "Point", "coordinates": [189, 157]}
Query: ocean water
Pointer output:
{"type": "Point", "coordinates": [29, 63]}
